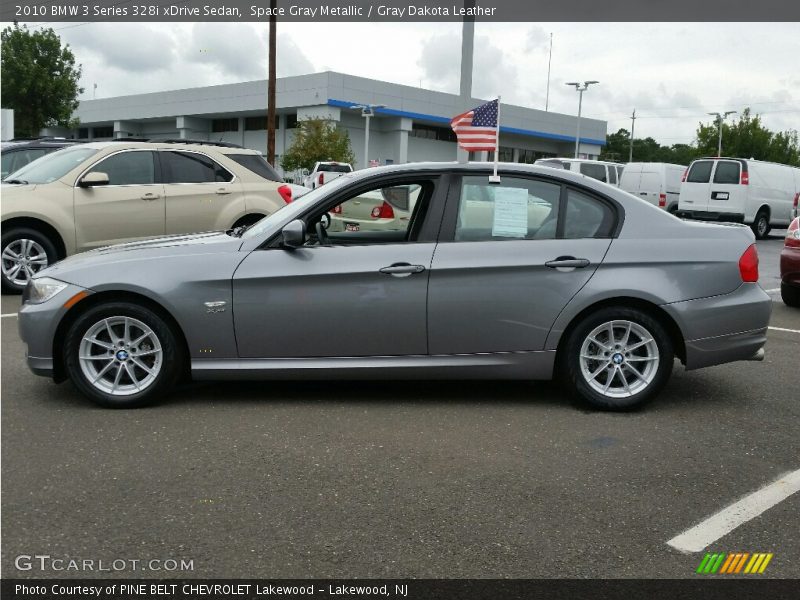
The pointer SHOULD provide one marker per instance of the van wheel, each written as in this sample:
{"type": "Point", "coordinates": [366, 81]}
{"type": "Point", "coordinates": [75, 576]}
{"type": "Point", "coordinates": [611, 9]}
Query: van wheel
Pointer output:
{"type": "Point", "coordinates": [761, 225]}
{"type": "Point", "coordinates": [25, 253]}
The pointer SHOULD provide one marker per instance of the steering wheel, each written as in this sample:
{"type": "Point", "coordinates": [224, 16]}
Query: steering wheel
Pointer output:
{"type": "Point", "coordinates": [321, 229]}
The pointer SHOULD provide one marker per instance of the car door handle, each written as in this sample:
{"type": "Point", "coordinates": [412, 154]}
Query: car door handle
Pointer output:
{"type": "Point", "coordinates": [402, 269]}
{"type": "Point", "coordinates": [223, 191]}
{"type": "Point", "coordinates": [150, 196]}
{"type": "Point", "coordinates": [567, 262]}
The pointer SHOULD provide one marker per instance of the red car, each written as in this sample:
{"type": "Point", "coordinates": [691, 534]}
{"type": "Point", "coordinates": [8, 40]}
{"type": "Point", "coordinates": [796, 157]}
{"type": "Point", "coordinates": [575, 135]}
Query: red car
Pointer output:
{"type": "Point", "coordinates": [790, 266]}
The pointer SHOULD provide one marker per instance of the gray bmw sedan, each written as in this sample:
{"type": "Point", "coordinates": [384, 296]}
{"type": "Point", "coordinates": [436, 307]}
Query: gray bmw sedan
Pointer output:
{"type": "Point", "coordinates": [432, 271]}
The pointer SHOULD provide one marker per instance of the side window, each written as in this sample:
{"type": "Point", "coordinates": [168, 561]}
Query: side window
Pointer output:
{"type": "Point", "coordinates": [700, 171]}
{"type": "Point", "coordinates": [594, 171]}
{"type": "Point", "coordinates": [128, 168]}
{"type": "Point", "coordinates": [612, 174]}
{"type": "Point", "coordinates": [587, 217]}
{"type": "Point", "coordinates": [727, 172]}
{"type": "Point", "coordinates": [515, 209]}
{"type": "Point", "coordinates": [191, 167]}
{"type": "Point", "coordinates": [620, 170]}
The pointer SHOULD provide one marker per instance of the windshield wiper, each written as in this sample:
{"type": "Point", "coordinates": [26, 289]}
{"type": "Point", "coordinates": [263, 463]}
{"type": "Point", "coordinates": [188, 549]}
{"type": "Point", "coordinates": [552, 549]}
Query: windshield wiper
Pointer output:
{"type": "Point", "coordinates": [16, 181]}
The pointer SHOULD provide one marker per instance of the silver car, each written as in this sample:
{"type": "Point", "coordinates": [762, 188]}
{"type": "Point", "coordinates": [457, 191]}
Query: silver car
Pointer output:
{"type": "Point", "coordinates": [544, 274]}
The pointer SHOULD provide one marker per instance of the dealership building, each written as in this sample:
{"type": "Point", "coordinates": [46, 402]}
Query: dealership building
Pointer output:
{"type": "Point", "coordinates": [413, 124]}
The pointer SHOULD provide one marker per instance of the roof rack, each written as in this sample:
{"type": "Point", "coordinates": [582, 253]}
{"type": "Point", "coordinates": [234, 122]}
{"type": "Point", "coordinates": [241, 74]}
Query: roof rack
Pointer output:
{"type": "Point", "coordinates": [200, 142]}
{"type": "Point", "coordinates": [131, 139]}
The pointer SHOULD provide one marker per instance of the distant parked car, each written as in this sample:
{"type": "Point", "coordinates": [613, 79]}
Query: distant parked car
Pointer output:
{"type": "Point", "coordinates": [790, 265]}
{"type": "Point", "coordinates": [658, 183]}
{"type": "Point", "coordinates": [19, 152]}
{"type": "Point", "coordinates": [544, 274]}
{"type": "Point", "coordinates": [101, 193]}
{"type": "Point", "coordinates": [387, 209]}
{"type": "Point", "coordinates": [324, 172]}
{"type": "Point", "coordinates": [607, 172]}
{"type": "Point", "coordinates": [759, 194]}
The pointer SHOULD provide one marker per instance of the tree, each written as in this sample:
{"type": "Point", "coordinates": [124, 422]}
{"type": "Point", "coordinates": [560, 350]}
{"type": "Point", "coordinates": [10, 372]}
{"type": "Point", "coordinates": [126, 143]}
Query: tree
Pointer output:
{"type": "Point", "coordinates": [317, 140]}
{"type": "Point", "coordinates": [40, 79]}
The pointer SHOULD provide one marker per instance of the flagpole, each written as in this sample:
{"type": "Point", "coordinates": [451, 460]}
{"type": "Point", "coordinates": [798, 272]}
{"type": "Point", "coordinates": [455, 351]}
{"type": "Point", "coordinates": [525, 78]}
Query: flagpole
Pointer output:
{"type": "Point", "coordinates": [496, 178]}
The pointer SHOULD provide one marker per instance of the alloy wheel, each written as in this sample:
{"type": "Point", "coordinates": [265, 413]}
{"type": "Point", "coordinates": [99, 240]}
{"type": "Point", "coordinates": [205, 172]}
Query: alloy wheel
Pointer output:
{"type": "Point", "coordinates": [22, 259]}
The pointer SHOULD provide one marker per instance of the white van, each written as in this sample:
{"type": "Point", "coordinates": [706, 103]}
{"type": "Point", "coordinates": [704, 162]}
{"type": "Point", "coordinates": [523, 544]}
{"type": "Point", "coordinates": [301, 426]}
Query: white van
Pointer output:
{"type": "Point", "coordinates": [658, 183]}
{"type": "Point", "coordinates": [760, 194]}
{"type": "Point", "coordinates": [607, 172]}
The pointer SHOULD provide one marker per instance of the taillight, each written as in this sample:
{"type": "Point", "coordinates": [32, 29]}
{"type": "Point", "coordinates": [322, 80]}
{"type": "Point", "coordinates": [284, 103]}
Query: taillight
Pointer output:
{"type": "Point", "coordinates": [286, 193]}
{"type": "Point", "coordinates": [384, 211]}
{"type": "Point", "coordinates": [337, 210]}
{"type": "Point", "coordinates": [662, 200]}
{"type": "Point", "coordinates": [796, 200]}
{"type": "Point", "coordinates": [748, 265]}
{"type": "Point", "coordinates": [321, 179]}
{"type": "Point", "coordinates": [685, 173]}
{"type": "Point", "coordinates": [793, 234]}
{"type": "Point", "coordinates": [744, 178]}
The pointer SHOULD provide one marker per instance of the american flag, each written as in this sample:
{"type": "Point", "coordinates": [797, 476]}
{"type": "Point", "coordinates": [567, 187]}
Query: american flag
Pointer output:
{"type": "Point", "coordinates": [476, 129]}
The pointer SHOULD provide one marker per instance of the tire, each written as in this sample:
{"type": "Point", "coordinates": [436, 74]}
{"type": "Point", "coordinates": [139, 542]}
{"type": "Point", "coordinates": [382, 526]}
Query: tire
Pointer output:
{"type": "Point", "coordinates": [790, 295]}
{"type": "Point", "coordinates": [617, 371]}
{"type": "Point", "coordinates": [122, 378]}
{"type": "Point", "coordinates": [25, 252]}
{"type": "Point", "coordinates": [673, 209]}
{"type": "Point", "coordinates": [761, 226]}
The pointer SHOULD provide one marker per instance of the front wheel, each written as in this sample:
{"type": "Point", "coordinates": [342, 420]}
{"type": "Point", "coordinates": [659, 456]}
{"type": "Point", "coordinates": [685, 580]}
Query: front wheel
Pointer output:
{"type": "Point", "coordinates": [617, 358]}
{"type": "Point", "coordinates": [122, 355]}
{"type": "Point", "coordinates": [25, 253]}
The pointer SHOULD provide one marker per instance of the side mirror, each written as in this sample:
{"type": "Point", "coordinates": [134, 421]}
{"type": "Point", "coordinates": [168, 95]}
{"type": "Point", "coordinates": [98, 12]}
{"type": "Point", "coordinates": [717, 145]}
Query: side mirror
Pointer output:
{"type": "Point", "coordinates": [93, 179]}
{"type": "Point", "coordinates": [305, 172]}
{"type": "Point", "coordinates": [294, 234]}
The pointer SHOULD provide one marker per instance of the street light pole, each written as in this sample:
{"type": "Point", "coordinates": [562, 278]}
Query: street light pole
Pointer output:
{"type": "Point", "coordinates": [720, 118]}
{"type": "Point", "coordinates": [367, 111]}
{"type": "Point", "coordinates": [580, 89]}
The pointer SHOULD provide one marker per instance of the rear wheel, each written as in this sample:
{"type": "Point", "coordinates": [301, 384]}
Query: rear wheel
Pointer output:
{"type": "Point", "coordinates": [122, 355]}
{"type": "Point", "coordinates": [617, 358]}
{"type": "Point", "coordinates": [25, 252]}
{"type": "Point", "coordinates": [790, 295]}
{"type": "Point", "coordinates": [761, 225]}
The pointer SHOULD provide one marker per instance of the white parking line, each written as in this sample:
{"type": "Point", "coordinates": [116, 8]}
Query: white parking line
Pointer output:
{"type": "Point", "coordinates": [9, 315]}
{"type": "Point", "coordinates": [773, 291]}
{"type": "Point", "coordinates": [784, 329]}
{"type": "Point", "coordinates": [714, 527]}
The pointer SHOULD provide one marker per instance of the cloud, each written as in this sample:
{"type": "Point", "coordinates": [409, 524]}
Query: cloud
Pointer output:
{"type": "Point", "coordinates": [228, 49]}
{"type": "Point", "coordinates": [130, 47]}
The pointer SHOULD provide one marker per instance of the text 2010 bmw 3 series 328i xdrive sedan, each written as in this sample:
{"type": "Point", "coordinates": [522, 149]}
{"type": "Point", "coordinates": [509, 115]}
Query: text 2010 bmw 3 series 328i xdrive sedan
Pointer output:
{"type": "Point", "coordinates": [546, 273]}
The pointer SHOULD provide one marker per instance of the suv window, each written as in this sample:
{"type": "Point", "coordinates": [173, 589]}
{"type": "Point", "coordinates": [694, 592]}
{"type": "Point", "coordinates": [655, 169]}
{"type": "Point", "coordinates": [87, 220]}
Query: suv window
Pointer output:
{"type": "Point", "coordinates": [700, 172]}
{"type": "Point", "coordinates": [727, 172]}
{"type": "Point", "coordinates": [191, 167]}
{"type": "Point", "coordinates": [516, 209]}
{"type": "Point", "coordinates": [136, 167]}
{"type": "Point", "coordinates": [587, 217]}
{"type": "Point", "coordinates": [594, 171]}
{"type": "Point", "coordinates": [256, 164]}
{"type": "Point", "coordinates": [612, 174]}
{"type": "Point", "coordinates": [53, 166]}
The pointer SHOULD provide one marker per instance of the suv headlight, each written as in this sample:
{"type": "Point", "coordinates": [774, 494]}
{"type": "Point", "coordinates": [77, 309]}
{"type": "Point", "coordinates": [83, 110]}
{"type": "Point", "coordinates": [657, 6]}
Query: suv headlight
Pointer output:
{"type": "Point", "coordinates": [41, 290]}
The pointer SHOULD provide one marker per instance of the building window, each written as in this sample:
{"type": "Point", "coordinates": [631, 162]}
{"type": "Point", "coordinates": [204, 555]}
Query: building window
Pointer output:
{"type": "Point", "coordinates": [223, 125]}
{"type": "Point", "coordinates": [531, 156]}
{"type": "Point", "coordinates": [432, 132]}
{"type": "Point", "coordinates": [83, 133]}
{"type": "Point", "coordinates": [506, 154]}
{"type": "Point", "coordinates": [291, 121]}
{"type": "Point", "coordinates": [103, 132]}
{"type": "Point", "coordinates": [259, 123]}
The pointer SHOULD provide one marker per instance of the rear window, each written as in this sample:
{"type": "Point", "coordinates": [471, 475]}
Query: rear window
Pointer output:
{"type": "Point", "coordinates": [256, 164]}
{"type": "Point", "coordinates": [335, 168]}
{"type": "Point", "coordinates": [594, 171]}
{"type": "Point", "coordinates": [727, 172]}
{"type": "Point", "coordinates": [612, 175]}
{"type": "Point", "coordinates": [700, 172]}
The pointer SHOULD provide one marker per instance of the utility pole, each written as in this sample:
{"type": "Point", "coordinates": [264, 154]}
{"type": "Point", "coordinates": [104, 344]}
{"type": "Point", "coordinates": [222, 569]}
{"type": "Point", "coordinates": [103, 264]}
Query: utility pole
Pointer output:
{"type": "Point", "coordinates": [271, 85]}
{"type": "Point", "coordinates": [549, 60]}
{"type": "Point", "coordinates": [633, 124]}
{"type": "Point", "coordinates": [720, 118]}
{"type": "Point", "coordinates": [465, 87]}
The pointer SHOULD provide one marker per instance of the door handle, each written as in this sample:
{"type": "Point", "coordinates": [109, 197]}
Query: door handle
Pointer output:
{"type": "Point", "coordinates": [223, 191]}
{"type": "Point", "coordinates": [150, 196]}
{"type": "Point", "coordinates": [402, 269]}
{"type": "Point", "coordinates": [567, 262]}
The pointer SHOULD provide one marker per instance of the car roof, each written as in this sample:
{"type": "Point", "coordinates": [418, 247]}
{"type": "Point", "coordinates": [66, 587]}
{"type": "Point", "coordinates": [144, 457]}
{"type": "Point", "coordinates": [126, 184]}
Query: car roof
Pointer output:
{"type": "Point", "coordinates": [38, 143]}
{"type": "Point", "coordinates": [172, 145]}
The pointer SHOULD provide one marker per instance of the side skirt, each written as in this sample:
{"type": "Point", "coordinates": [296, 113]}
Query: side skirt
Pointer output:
{"type": "Point", "coordinates": [495, 365]}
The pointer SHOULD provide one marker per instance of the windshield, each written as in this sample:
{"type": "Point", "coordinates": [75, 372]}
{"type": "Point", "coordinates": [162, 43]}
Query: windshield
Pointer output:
{"type": "Point", "coordinates": [51, 166]}
{"type": "Point", "coordinates": [287, 211]}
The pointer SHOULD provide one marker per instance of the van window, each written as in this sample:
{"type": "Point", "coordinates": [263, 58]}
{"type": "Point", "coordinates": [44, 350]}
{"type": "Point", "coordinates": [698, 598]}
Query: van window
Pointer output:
{"type": "Point", "coordinates": [594, 171]}
{"type": "Point", "coordinates": [727, 172]}
{"type": "Point", "coordinates": [700, 172]}
{"type": "Point", "coordinates": [612, 174]}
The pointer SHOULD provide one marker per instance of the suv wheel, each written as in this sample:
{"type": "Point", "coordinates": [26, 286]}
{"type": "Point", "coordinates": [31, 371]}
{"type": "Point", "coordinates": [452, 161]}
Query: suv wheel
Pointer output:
{"type": "Point", "coordinates": [121, 355]}
{"type": "Point", "coordinates": [25, 253]}
{"type": "Point", "coordinates": [617, 358]}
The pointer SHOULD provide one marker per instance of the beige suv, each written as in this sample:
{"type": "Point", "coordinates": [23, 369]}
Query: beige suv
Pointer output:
{"type": "Point", "coordinates": [103, 193]}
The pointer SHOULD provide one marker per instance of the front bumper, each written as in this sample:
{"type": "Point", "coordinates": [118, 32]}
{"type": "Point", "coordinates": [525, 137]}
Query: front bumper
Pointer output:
{"type": "Point", "coordinates": [725, 328]}
{"type": "Point", "coordinates": [38, 324]}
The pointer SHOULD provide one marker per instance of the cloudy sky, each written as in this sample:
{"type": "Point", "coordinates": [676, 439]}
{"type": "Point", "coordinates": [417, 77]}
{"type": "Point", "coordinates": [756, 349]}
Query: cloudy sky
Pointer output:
{"type": "Point", "coordinates": [672, 74]}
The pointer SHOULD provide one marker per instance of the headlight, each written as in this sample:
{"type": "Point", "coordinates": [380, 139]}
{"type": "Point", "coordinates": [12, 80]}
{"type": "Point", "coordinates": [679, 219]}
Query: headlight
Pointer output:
{"type": "Point", "coordinates": [41, 290]}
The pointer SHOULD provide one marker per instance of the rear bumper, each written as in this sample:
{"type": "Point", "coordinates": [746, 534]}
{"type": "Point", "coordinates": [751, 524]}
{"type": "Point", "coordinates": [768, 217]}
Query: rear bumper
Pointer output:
{"type": "Point", "coordinates": [723, 329]}
{"type": "Point", "coordinates": [701, 215]}
{"type": "Point", "coordinates": [790, 266]}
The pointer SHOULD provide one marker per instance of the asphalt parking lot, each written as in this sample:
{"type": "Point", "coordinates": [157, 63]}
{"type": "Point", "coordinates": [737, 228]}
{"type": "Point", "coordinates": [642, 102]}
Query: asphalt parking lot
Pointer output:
{"type": "Point", "coordinates": [353, 479]}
